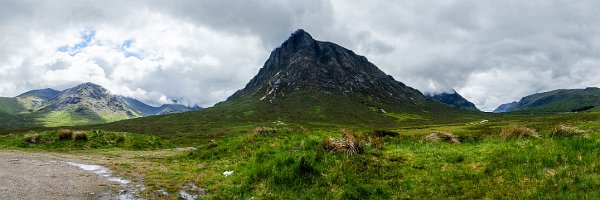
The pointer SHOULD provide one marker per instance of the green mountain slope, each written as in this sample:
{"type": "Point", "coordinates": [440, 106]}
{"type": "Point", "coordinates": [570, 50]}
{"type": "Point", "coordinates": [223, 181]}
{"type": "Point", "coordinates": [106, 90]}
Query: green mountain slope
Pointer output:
{"type": "Point", "coordinates": [10, 106]}
{"type": "Point", "coordinates": [564, 100]}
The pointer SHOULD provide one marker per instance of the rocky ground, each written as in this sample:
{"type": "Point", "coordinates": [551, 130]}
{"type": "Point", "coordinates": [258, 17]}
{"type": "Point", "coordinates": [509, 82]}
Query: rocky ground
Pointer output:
{"type": "Point", "coordinates": [26, 175]}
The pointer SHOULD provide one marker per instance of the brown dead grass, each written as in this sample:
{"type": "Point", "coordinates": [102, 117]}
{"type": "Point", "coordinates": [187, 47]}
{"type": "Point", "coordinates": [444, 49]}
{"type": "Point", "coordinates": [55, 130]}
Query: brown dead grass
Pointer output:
{"type": "Point", "coordinates": [32, 138]}
{"type": "Point", "coordinates": [347, 143]}
{"type": "Point", "coordinates": [80, 135]}
{"type": "Point", "coordinates": [263, 130]}
{"type": "Point", "coordinates": [514, 131]}
{"type": "Point", "coordinates": [64, 134]}
{"type": "Point", "coordinates": [563, 130]}
{"type": "Point", "coordinates": [442, 137]}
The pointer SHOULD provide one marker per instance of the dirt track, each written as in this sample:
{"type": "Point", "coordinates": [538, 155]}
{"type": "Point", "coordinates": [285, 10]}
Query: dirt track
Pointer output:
{"type": "Point", "coordinates": [40, 176]}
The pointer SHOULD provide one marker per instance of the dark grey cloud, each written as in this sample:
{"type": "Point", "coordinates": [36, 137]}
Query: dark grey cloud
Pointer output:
{"type": "Point", "coordinates": [200, 51]}
{"type": "Point", "coordinates": [272, 20]}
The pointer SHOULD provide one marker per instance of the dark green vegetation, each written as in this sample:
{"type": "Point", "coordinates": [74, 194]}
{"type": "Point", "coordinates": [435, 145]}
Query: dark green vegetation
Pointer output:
{"type": "Point", "coordinates": [297, 109]}
{"type": "Point", "coordinates": [452, 99]}
{"type": "Point", "coordinates": [565, 100]}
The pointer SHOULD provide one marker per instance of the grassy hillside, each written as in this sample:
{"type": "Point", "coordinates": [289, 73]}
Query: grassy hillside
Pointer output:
{"type": "Point", "coordinates": [573, 100]}
{"type": "Point", "coordinates": [297, 109]}
{"type": "Point", "coordinates": [10, 105]}
{"type": "Point", "coordinates": [297, 164]}
{"type": "Point", "coordinates": [508, 157]}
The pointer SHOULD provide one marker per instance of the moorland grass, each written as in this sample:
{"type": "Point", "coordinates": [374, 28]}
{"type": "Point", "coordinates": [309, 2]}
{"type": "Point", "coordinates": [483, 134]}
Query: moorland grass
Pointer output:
{"type": "Point", "coordinates": [295, 164]}
{"type": "Point", "coordinates": [292, 161]}
{"type": "Point", "coordinates": [65, 139]}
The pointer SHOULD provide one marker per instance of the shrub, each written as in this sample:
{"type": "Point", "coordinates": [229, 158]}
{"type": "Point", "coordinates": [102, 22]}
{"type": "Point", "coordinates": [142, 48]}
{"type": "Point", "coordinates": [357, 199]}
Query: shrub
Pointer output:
{"type": "Point", "coordinates": [80, 135]}
{"type": "Point", "coordinates": [264, 131]}
{"type": "Point", "coordinates": [65, 134]}
{"type": "Point", "coordinates": [514, 131]}
{"type": "Point", "coordinates": [32, 138]}
{"type": "Point", "coordinates": [442, 136]}
{"type": "Point", "coordinates": [383, 133]}
{"type": "Point", "coordinates": [347, 143]}
{"type": "Point", "coordinates": [566, 131]}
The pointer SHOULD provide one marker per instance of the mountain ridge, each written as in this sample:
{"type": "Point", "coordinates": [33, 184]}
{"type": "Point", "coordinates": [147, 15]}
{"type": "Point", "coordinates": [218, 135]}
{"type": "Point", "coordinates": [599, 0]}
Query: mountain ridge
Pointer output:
{"type": "Point", "coordinates": [86, 103]}
{"type": "Point", "coordinates": [561, 100]}
{"type": "Point", "coordinates": [452, 99]}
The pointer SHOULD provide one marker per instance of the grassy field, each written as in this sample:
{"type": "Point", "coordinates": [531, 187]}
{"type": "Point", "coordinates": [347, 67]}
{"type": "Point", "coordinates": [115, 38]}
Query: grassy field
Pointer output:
{"type": "Point", "coordinates": [504, 157]}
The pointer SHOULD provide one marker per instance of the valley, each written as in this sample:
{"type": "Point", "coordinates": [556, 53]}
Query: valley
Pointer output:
{"type": "Point", "coordinates": [320, 122]}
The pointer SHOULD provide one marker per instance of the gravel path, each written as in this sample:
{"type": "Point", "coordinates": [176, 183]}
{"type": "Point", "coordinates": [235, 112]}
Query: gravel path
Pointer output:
{"type": "Point", "coordinates": [26, 175]}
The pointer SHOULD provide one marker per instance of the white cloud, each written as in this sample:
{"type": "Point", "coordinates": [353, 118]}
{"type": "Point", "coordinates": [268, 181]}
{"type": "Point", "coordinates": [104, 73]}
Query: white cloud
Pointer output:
{"type": "Point", "coordinates": [200, 52]}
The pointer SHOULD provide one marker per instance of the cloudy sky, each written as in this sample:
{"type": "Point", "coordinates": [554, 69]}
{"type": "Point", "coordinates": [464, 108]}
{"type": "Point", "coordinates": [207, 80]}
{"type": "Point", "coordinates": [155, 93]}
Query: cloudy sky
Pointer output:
{"type": "Point", "coordinates": [200, 51]}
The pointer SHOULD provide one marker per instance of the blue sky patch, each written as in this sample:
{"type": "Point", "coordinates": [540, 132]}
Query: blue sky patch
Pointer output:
{"type": "Point", "coordinates": [125, 49]}
{"type": "Point", "coordinates": [87, 38]}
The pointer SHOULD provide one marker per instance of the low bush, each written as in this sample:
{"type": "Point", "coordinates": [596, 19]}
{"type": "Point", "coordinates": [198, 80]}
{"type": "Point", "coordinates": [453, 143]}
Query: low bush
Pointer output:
{"type": "Point", "coordinates": [442, 136]}
{"type": "Point", "coordinates": [347, 143]}
{"type": "Point", "coordinates": [383, 133]}
{"type": "Point", "coordinates": [263, 130]}
{"type": "Point", "coordinates": [566, 131]}
{"type": "Point", "coordinates": [514, 131]}
{"type": "Point", "coordinates": [32, 138]}
{"type": "Point", "coordinates": [80, 135]}
{"type": "Point", "coordinates": [65, 134]}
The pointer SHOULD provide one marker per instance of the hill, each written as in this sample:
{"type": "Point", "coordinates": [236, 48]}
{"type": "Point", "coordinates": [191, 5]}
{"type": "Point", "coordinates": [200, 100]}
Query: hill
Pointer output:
{"type": "Point", "coordinates": [83, 104]}
{"type": "Point", "coordinates": [563, 100]}
{"type": "Point", "coordinates": [452, 99]}
{"type": "Point", "coordinates": [148, 110]}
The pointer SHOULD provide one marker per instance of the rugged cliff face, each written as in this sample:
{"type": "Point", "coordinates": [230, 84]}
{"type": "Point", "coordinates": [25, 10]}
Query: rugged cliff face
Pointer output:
{"type": "Point", "coordinates": [304, 64]}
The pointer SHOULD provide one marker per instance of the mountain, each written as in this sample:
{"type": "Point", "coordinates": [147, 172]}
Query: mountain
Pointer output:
{"type": "Point", "coordinates": [452, 99]}
{"type": "Point", "coordinates": [148, 110]}
{"type": "Point", "coordinates": [304, 65]}
{"type": "Point", "coordinates": [35, 99]}
{"type": "Point", "coordinates": [563, 100]}
{"type": "Point", "coordinates": [310, 83]}
{"type": "Point", "coordinates": [86, 103]}
{"type": "Point", "coordinates": [505, 107]}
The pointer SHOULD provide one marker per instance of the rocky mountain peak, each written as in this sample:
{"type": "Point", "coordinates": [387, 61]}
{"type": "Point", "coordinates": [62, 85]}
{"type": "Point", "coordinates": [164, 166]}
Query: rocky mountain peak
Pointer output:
{"type": "Point", "coordinates": [302, 63]}
{"type": "Point", "coordinates": [453, 99]}
{"type": "Point", "coordinates": [90, 99]}
{"type": "Point", "coordinates": [299, 40]}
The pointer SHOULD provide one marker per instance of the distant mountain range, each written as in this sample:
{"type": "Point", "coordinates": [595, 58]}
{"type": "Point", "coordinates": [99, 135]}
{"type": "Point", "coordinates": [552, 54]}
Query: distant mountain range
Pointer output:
{"type": "Point", "coordinates": [452, 99]}
{"type": "Point", "coordinates": [86, 103]}
{"type": "Point", "coordinates": [563, 100]}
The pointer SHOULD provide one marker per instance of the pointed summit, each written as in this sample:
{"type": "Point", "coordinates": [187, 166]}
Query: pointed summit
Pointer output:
{"type": "Point", "coordinates": [305, 68]}
{"type": "Point", "coordinates": [452, 99]}
{"type": "Point", "coordinates": [300, 40]}
{"type": "Point", "coordinates": [91, 102]}
{"type": "Point", "coordinates": [300, 37]}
